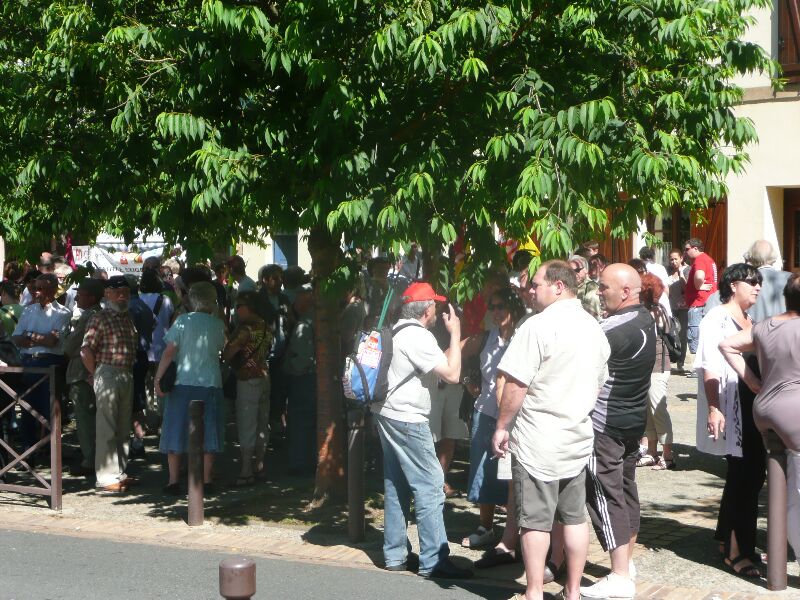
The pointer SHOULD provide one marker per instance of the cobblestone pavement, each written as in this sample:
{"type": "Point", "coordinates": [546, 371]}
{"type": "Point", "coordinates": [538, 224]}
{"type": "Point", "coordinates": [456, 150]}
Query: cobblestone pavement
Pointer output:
{"type": "Point", "coordinates": [676, 555]}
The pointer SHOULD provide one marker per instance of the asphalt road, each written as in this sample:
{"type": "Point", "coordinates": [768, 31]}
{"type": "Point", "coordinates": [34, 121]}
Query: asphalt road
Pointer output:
{"type": "Point", "coordinates": [48, 567]}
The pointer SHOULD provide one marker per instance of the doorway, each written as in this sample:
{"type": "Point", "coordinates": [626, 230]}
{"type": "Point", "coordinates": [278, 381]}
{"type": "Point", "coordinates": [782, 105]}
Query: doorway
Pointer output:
{"type": "Point", "coordinates": [791, 229]}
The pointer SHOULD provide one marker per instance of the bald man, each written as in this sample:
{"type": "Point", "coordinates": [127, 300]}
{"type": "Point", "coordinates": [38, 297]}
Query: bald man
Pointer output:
{"type": "Point", "coordinates": [619, 420]}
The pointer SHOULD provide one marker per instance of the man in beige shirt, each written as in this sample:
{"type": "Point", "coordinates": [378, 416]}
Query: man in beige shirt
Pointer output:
{"type": "Point", "coordinates": [553, 368]}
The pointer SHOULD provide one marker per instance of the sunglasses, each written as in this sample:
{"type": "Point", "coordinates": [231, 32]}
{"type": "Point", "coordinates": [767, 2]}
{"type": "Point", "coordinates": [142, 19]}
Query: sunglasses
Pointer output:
{"type": "Point", "coordinates": [577, 269]}
{"type": "Point", "coordinates": [751, 281]}
{"type": "Point", "coordinates": [500, 306]}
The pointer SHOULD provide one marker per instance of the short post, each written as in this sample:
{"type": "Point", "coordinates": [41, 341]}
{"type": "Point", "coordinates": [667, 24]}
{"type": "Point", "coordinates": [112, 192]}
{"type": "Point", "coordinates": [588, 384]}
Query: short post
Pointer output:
{"type": "Point", "coordinates": [55, 443]}
{"type": "Point", "coordinates": [355, 475]}
{"type": "Point", "coordinates": [196, 446]}
{"type": "Point", "coordinates": [776, 511]}
{"type": "Point", "coordinates": [237, 578]}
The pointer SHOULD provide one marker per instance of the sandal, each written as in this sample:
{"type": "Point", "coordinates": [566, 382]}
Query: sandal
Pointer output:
{"type": "Point", "coordinates": [746, 571]}
{"type": "Point", "coordinates": [663, 465]}
{"type": "Point", "coordinates": [494, 558]}
{"type": "Point", "coordinates": [481, 537]}
{"type": "Point", "coordinates": [244, 481]}
{"type": "Point", "coordinates": [646, 461]}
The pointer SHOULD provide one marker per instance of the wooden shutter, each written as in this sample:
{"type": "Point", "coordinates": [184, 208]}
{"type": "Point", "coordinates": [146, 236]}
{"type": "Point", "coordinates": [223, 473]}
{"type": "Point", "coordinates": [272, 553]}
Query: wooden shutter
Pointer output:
{"type": "Point", "coordinates": [714, 232]}
{"type": "Point", "coordinates": [789, 38]}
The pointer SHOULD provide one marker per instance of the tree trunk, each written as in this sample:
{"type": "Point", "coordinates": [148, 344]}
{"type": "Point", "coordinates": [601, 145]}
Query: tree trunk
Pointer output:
{"type": "Point", "coordinates": [330, 480]}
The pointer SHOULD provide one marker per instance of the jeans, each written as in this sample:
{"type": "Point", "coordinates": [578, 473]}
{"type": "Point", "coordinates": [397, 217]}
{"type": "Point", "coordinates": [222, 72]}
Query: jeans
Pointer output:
{"type": "Point", "coordinates": [39, 397]}
{"type": "Point", "coordinates": [410, 467]}
{"type": "Point", "coordinates": [693, 327]}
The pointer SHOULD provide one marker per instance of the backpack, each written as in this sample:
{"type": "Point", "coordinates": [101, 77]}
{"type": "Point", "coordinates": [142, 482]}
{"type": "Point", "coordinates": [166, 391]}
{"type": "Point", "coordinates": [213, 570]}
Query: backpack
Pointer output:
{"type": "Point", "coordinates": [366, 371]}
{"type": "Point", "coordinates": [670, 335]}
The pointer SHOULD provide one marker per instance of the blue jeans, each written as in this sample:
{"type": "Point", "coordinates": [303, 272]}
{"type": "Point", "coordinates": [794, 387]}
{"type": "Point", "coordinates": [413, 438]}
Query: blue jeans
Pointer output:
{"type": "Point", "coordinates": [693, 327]}
{"type": "Point", "coordinates": [38, 398]}
{"type": "Point", "coordinates": [410, 467]}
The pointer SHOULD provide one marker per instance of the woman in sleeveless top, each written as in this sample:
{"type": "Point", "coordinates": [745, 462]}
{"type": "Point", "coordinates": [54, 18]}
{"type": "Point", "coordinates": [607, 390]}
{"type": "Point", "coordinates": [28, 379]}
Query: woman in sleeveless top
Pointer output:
{"type": "Point", "coordinates": [724, 420]}
{"type": "Point", "coordinates": [776, 341]}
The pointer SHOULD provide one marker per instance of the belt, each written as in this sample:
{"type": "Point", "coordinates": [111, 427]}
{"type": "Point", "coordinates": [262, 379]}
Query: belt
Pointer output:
{"type": "Point", "coordinates": [41, 355]}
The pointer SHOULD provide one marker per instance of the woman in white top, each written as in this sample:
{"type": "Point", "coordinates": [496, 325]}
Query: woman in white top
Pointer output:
{"type": "Point", "coordinates": [484, 488]}
{"type": "Point", "coordinates": [725, 425]}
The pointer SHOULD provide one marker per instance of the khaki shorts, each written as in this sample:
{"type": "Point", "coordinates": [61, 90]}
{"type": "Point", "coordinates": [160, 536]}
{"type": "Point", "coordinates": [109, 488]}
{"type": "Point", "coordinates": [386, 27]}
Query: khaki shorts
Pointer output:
{"type": "Point", "coordinates": [444, 420]}
{"type": "Point", "coordinates": [538, 503]}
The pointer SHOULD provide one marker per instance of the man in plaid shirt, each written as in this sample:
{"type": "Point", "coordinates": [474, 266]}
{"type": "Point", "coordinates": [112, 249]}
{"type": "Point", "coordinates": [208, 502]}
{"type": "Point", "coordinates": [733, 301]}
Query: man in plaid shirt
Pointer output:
{"type": "Point", "coordinates": [108, 351]}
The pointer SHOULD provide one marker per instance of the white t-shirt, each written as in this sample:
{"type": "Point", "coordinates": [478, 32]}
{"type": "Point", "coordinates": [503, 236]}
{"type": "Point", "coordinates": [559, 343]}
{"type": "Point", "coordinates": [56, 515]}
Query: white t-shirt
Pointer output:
{"type": "Point", "coordinates": [659, 271]}
{"type": "Point", "coordinates": [414, 349]}
{"type": "Point", "coordinates": [560, 354]}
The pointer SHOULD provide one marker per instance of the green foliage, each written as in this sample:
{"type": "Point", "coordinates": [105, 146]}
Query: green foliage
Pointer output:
{"type": "Point", "coordinates": [210, 120]}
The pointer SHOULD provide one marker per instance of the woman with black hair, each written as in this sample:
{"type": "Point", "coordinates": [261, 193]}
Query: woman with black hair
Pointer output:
{"type": "Point", "coordinates": [484, 488]}
{"type": "Point", "coordinates": [725, 424]}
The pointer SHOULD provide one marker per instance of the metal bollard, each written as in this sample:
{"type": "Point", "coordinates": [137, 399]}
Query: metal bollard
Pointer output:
{"type": "Point", "coordinates": [237, 578]}
{"type": "Point", "coordinates": [776, 511]}
{"type": "Point", "coordinates": [196, 443]}
{"type": "Point", "coordinates": [355, 475]}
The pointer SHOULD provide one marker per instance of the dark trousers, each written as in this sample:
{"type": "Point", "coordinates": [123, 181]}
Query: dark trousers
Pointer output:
{"type": "Point", "coordinates": [140, 366]}
{"type": "Point", "coordinates": [39, 398]}
{"type": "Point", "coordinates": [301, 422]}
{"type": "Point", "coordinates": [738, 509]}
{"type": "Point", "coordinates": [612, 496]}
{"type": "Point", "coordinates": [278, 392]}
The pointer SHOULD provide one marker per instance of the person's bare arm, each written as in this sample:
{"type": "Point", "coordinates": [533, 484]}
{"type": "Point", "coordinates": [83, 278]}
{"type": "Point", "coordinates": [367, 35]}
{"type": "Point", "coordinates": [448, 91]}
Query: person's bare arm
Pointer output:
{"type": "Point", "coordinates": [513, 395]}
{"type": "Point", "coordinates": [716, 420]}
{"type": "Point", "coordinates": [89, 359]}
{"type": "Point", "coordinates": [450, 370]}
{"type": "Point", "coordinates": [732, 349]}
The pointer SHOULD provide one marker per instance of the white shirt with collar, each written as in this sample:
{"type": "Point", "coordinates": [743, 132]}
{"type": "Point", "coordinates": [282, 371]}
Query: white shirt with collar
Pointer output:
{"type": "Point", "coordinates": [44, 321]}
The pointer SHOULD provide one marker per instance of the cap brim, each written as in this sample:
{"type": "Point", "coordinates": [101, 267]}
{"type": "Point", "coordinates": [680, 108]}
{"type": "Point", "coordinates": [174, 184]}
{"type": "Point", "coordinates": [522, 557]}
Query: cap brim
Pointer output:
{"type": "Point", "coordinates": [440, 299]}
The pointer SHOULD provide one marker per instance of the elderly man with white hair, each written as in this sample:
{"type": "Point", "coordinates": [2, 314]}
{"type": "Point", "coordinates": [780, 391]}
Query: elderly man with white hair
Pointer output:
{"type": "Point", "coordinates": [770, 301]}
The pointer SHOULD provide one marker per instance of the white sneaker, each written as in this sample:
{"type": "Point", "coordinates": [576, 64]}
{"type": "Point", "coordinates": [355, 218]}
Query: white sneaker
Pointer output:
{"type": "Point", "coordinates": [632, 570]}
{"type": "Point", "coordinates": [612, 587]}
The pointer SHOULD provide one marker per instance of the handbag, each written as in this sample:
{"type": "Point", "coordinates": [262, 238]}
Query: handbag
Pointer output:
{"type": "Point", "coordinates": [10, 354]}
{"type": "Point", "coordinates": [167, 381]}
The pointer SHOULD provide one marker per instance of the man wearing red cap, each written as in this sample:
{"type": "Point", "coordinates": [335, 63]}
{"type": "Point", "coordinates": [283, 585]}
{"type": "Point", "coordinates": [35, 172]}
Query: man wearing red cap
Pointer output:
{"type": "Point", "coordinates": [410, 465]}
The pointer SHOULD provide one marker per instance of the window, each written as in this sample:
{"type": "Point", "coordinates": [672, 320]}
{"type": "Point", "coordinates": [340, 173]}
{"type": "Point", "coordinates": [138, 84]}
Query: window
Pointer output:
{"type": "Point", "coordinates": [789, 38]}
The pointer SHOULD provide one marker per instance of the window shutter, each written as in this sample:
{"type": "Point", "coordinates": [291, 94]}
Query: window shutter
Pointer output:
{"type": "Point", "coordinates": [789, 38]}
{"type": "Point", "coordinates": [713, 232]}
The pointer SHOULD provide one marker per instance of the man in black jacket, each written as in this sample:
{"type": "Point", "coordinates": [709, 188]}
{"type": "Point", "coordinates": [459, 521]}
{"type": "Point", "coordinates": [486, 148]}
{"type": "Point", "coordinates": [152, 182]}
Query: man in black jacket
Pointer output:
{"type": "Point", "coordinates": [619, 420]}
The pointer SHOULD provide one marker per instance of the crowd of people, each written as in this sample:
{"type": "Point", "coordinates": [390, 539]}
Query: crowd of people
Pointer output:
{"type": "Point", "coordinates": [552, 446]}
{"type": "Point", "coordinates": [244, 348]}
{"type": "Point", "coordinates": [547, 446]}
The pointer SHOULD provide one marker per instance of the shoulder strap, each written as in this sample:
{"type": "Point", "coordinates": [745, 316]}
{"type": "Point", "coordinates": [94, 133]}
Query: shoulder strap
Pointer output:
{"type": "Point", "coordinates": [10, 314]}
{"type": "Point", "coordinates": [398, 328]}
{"type": "Point", "coordinates": [158, 304]}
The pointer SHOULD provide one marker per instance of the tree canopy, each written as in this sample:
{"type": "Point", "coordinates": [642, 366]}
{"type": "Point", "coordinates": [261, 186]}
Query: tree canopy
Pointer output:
{"type": "Point", "coordinates": [382, 121]}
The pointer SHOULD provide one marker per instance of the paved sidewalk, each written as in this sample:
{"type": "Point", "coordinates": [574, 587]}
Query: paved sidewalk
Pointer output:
{"type": "Point", "coordinates": [676, 556]}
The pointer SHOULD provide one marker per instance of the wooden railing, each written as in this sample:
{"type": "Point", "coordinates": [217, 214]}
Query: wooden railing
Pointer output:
{"type": "Point", "coordinates": [51, 424]}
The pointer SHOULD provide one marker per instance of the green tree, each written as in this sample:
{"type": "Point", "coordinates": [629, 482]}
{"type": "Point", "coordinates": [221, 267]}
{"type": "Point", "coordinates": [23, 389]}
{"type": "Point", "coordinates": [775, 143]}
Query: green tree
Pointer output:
{"type": "Point", "coordinates": [373, 122]}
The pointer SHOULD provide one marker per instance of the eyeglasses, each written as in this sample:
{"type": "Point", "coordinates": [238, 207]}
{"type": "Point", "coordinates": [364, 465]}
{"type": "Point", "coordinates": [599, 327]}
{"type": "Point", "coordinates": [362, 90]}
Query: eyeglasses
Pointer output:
{"type": "Point", "coordinates": [499, 306]}
{"type": "Point", "coordinates": [577, 269]}
{"type": "Point", "coordinates": [751, 281]}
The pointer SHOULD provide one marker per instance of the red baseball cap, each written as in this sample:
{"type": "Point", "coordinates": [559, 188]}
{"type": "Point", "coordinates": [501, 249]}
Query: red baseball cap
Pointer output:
{"type": "Point", "coordinates": [420, 292]}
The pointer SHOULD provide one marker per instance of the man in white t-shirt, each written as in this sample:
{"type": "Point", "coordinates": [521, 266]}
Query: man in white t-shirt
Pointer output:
{"type": "Point", "coordinates": [554, 367]}
{"type": "Point", "coordinates": [410, 465]}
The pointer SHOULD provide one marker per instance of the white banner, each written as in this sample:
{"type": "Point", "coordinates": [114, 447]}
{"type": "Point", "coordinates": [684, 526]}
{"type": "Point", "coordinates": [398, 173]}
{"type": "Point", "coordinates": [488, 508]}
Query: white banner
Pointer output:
{"type": "Point", "coordinates": [114, 263]}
